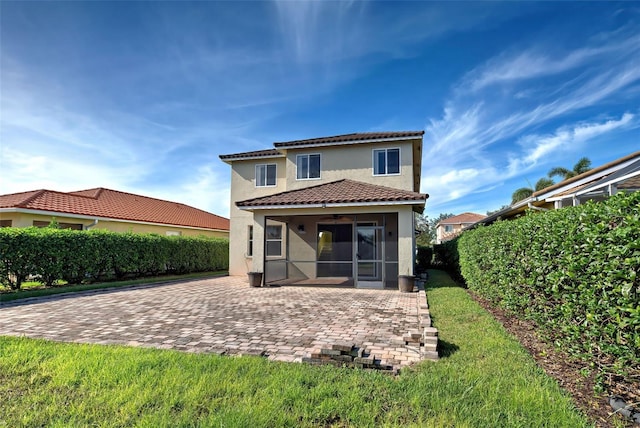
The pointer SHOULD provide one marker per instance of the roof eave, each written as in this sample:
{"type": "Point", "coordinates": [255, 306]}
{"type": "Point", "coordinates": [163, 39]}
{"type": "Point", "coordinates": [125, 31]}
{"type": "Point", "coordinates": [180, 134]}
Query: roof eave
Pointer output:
{"type": "Point", "coordinates": [95, 217]}
{"type": "Point", "coordinates": [332, 205]}
{"type": "Point", "coordinates": [286, 145]}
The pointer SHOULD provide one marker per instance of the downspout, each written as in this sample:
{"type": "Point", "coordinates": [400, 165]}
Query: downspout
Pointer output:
{"type": "Point", "coordinates": [533, 207]}
{"type": "Point", "coordinates": [89, 226]}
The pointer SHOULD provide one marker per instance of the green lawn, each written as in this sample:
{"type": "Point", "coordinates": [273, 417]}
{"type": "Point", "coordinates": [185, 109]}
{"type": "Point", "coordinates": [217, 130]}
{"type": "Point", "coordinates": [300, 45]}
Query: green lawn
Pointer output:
{"type": "Point", "coordinates": [484, 379]}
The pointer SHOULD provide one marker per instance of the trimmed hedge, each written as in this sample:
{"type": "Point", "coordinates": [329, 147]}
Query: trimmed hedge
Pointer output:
{"type": "Point", "coordinates": [574, 271]}
{"type": "Point", "coordinates": [48, 255]}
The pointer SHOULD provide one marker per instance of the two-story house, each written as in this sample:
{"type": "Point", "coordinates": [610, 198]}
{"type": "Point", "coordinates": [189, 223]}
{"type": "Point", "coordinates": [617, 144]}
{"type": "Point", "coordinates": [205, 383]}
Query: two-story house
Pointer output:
{"type": "Point", "coordinates": [451, 227]}
{"type": "Point", "coordinates": [327, 209]}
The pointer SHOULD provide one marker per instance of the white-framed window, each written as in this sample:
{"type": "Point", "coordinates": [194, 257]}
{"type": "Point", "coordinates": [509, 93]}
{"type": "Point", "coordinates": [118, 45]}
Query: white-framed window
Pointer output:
{"type": "Point", "coordinates": [250, 241]}
{"type": "Point", "coordinates": [448, 228]}
{"type": "Point", "coordinates": [173, 233]}
{"type": "Point", "coordinates": [265, 175]}
{"type": "Point", "coordinates": [274, 241]}
{"type": "Point", "coordinates": [308, 166]}
{"type": "Point", "coordinates": [386, 161]}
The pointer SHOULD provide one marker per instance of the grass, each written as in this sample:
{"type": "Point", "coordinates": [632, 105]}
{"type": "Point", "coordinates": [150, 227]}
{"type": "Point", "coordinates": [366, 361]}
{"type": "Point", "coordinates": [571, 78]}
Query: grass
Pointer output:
{"type": "Point", "coordinates": [483, 379]}
{"type": "Point", "coordinates": [37, 289]}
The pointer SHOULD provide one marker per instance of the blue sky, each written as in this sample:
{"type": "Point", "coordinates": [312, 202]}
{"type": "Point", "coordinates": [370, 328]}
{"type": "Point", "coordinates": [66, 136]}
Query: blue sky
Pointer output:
{"type": "Point", "coordinates": [143, 96]}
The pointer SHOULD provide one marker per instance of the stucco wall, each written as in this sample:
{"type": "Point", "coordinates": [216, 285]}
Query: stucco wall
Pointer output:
{"type": "Point", "coordinates": [26, 220]}
{"type": "Point", "coordinates": [354, 162]}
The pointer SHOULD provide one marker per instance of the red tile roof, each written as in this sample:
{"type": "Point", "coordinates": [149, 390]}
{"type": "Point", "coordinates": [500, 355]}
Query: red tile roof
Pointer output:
{"type": "Point", "coordinates": [349, 138]}
{"type": "Point", "coordinates": [337, 192]}
{"type": "Point", "coordinates": [465, 218]}
{"type": "Point", "coordinates": [112, 204]}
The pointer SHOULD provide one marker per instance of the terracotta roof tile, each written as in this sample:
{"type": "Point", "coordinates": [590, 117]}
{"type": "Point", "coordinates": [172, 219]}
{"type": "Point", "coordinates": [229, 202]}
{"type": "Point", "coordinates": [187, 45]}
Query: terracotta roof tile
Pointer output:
{"type": "Point", "coordinates": [463, 218]}
{"type": "Point", "coordinates": [360, 136]}
{"type": "Point", "coordinates": [106, 203]}
{"type": "Point", "coordinates": [336, 139]}
{"type": "Point", "coordinates": [631, 183]}
{"type": "Point", "coordinates": [337, 192]}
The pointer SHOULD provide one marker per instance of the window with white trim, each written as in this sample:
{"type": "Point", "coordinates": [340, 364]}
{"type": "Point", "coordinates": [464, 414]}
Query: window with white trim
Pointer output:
{"type": "Point", "coordinates": [308, 166]}
{"type": "Point", "coordinates": [274, 241]}
{"type": "Point", "coordinates": [265, 175]}
{"type": "Point", "coordinates": [386, 161]}
{"type": "Point", "coordinates": [250, 241]}
{"type": "Point", "coordinates": [448, 228]}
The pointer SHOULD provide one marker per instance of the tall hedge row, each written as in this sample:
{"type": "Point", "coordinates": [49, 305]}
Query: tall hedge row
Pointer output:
{"type": "Point", "coordinates": [575, 271]}
{"type": "Point", "coordinates": [48, 255]}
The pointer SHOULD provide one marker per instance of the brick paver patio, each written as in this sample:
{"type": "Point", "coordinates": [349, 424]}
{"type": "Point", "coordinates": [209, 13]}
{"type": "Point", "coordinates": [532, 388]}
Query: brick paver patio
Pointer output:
{"type": "Point", "coordinates": [225, 315]}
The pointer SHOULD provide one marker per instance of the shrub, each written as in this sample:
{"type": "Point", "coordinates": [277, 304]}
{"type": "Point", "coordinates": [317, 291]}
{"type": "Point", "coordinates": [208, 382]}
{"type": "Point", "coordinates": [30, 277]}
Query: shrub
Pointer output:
{"type": "Point", "coordinates": [50, 254]}
{"type": "Point", "coordinates": [575, 271]}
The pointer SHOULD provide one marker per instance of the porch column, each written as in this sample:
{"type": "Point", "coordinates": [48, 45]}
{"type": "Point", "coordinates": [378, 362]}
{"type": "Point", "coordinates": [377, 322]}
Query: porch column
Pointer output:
{"type": "Point", "coordinates": [258, 242]}
{"type": "Point", "coordinates": [406, 250]}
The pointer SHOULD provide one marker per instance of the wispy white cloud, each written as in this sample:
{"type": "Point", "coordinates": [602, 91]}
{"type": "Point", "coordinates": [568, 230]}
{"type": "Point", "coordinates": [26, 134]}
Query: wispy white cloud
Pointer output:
{"type": "Point", "coordinates": [533, 63]}
{"type": "Point", "coordinates": [536, 147]}
{"type": "Point", "coordinates": [498, 125]}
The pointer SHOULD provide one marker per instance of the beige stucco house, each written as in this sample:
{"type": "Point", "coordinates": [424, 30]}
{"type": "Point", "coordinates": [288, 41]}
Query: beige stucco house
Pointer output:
{"type": "Point", "coordinates": [108, 209]}
{"type": "Point", "coordinates": [326, 210]}
{"type": "Point", "coordinates": [451, 227]}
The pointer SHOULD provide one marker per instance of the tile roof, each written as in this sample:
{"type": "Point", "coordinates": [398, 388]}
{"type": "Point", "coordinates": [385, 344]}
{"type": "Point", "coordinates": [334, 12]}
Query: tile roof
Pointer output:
{"type": "Point", "coordinates": [349, 138]}
{"type": "Point", "coordinates": [589, 173]}
{"type": "Point", "coordinates": [360, 137]}
{"type": "Point", "coordinates": [250, 155]}
{"type": "Point", "coordinates": [112, 204]}
{"type": "Point", "coordinates": [631, 183]}
{"type": "Point", "coordinates": [337, 192]}
{"type": "Point", "coordinates": [463, 218]}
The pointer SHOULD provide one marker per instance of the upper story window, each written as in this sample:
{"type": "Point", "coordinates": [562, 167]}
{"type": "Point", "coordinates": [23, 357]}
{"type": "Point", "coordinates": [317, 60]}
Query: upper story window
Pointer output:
{"type": "Point", "coordinates": [307, 166]}
{"type": "Point", "coordinates": [448, 228]}
{"type": "Point", "coordinates": [386, 161]}
{"type": "Point", "coordinates": [265, 175]}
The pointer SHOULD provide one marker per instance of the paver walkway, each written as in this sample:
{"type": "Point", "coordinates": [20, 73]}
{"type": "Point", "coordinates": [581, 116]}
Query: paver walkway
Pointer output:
{"type": "Point", "coordinates": [225, 315]}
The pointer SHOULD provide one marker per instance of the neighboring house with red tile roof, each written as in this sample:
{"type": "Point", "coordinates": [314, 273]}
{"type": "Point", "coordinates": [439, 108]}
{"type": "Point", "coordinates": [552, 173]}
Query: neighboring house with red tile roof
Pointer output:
{"type": "Point", "coordinates": [101, 208]}
{"type": "Point", "coordinates": [597, 184]}
{"type": "Point", "coordinates": [449, 228]}
{"type": "Point", "coordinates": [340, 206]}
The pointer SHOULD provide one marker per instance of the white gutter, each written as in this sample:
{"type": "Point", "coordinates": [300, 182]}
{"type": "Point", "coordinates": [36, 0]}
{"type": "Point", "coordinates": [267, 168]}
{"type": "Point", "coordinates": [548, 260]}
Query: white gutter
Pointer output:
{"type": "Point", "coordinates": [533, 207]}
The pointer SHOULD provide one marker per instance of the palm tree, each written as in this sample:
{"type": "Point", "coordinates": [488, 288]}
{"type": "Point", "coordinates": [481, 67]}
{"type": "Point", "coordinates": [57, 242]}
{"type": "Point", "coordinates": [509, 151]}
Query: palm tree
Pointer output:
{"type": "Point", "coordinates": [583, 165]}
{"type": "Point", "coordinates": [525, 192]}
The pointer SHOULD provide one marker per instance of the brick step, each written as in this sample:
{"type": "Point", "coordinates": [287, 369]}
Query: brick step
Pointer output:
{"type": "Point", "coordinates": [347, 355]}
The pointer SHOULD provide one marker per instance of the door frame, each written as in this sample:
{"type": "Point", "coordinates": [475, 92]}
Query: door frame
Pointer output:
{"type": "Point", "coordinates": [378, 280]}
